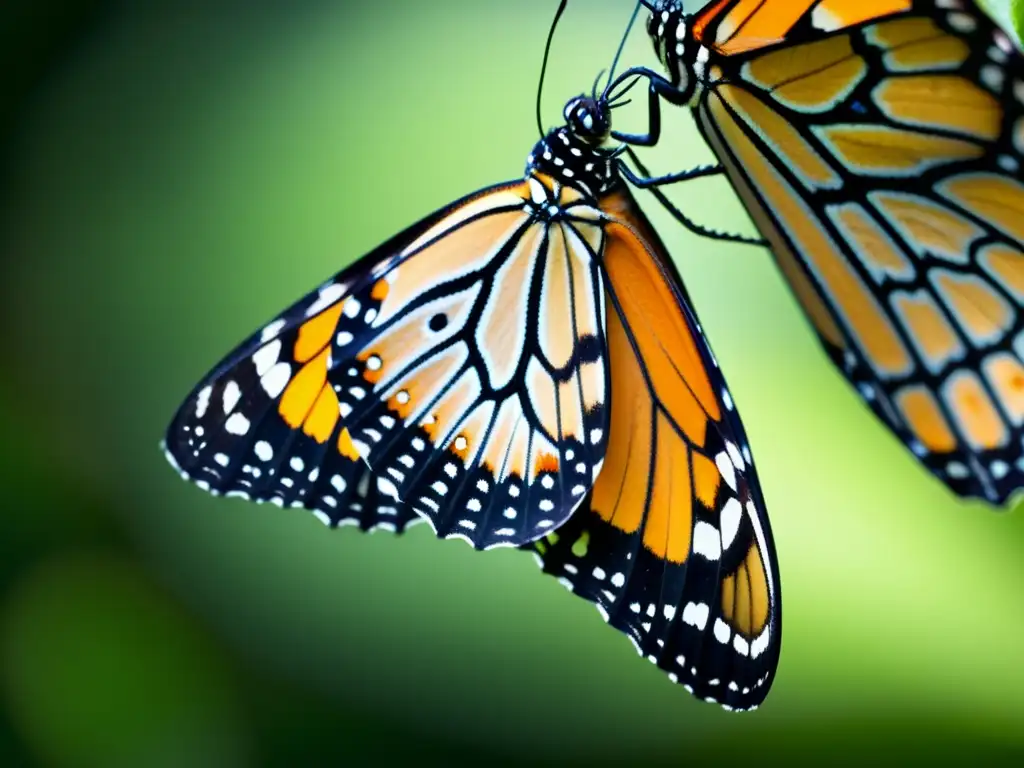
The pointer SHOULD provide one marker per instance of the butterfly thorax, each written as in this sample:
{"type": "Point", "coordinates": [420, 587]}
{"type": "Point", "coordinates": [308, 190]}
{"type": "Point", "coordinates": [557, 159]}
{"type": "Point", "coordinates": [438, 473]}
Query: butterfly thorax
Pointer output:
{"type": "Point", "coordinates": [575, 154]}
{"type": "Point", "coordinates": [684, 57]}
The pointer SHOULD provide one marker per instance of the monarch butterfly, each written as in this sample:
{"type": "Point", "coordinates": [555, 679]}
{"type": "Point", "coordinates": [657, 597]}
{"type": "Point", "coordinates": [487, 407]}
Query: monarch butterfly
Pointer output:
{"type": "Point", "coordinates": [877, 145]}
{"type": "Point", "coordinates": [521, 368]}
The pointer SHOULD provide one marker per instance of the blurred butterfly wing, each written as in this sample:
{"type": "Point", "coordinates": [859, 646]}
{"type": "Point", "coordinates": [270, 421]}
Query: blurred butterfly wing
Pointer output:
{"type": "Point", "coordinates": [673, 544]}
{"type": "Point", "coordinates": [883, 164]}
{"type": "Point", "coordinates": [408, 385]}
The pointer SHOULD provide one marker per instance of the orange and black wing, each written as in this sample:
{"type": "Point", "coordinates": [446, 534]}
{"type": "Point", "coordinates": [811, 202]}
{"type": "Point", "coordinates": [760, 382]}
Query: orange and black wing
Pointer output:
{"type": "Point", "coordinates": [732, 27]}
{"type": "Point", "coordinates": [673, 544]}
{"type": "Point", "coordinates": [878, 147]}
{"type": "Point", "coordinates": [423, 382]}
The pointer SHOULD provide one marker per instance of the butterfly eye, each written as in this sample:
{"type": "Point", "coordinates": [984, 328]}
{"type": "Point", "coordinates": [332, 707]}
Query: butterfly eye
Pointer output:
{"type": "Point", "coordinates": [438, 322]}
{"type": "Point", "coordinates": [571, 111]}
{"type": "Point", "coordinates": [586, 119]}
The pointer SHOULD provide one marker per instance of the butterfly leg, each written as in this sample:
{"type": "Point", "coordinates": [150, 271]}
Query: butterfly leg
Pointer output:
{"type": "Point", "coordinates": [659, 88]}
{"type": "Point", "coordinates": [645, 182]}
{"type": "Point", "coordinates": [653, 183]}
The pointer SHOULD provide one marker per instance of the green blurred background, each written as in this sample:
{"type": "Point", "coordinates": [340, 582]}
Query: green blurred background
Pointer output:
{"type": "Point", "coordinates": [173, 174]}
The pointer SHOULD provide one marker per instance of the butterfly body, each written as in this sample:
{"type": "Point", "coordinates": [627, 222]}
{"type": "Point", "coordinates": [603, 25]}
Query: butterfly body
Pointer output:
{"type": "Point", "coordinates": [521, 368]}
{"type": "Point", "coordinates": [878, 147]}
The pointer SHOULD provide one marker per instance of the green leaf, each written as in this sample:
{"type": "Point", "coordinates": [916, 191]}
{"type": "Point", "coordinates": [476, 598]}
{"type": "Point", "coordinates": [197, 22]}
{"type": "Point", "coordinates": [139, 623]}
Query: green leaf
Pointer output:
{"type": "Point", "coordinates": [1008, 15]}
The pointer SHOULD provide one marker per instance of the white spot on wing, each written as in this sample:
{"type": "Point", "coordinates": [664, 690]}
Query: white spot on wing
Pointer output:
{"type": "Point", "coordinates": [696, 615]}
{"type": "Point", "coordinates": [732, 511]}
{"type": "Point", "coordinates": [722, 631]}
{"type": "Point", "coordinates": [328, 295]}
{"type": "Point", "coordinates": [271, 330]}
{"type": "Point", "coordinates": [203, 401]}
{"type": "Point", "coordinates": [387, 487]}
{"type": "Point", "coordinates": [237, 424]}
{"type": "Point", "coordinates": [265, 357]}
{"type": "Point", "coordinates": [276, 379]}
{"type": "Point", "coordinates": [263, 450]}
{"type": "Point", "coordinates": [706, 541]}
{"type": "Point", "coordinates": [726, 468]}
{"type": "Point", "coordinates": [232, 394]}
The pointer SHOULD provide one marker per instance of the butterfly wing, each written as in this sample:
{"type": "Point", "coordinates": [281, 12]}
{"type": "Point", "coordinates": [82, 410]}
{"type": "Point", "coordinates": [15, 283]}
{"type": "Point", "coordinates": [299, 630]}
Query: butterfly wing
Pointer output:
{"type": "Point", "coordinates": [673, 544]}
{"type": "Point", "coordinates": [738, 26]}
{"type": "Point", "coordinates": [442, 376]}
{"type": "Point", "coordinates": [882, 161]}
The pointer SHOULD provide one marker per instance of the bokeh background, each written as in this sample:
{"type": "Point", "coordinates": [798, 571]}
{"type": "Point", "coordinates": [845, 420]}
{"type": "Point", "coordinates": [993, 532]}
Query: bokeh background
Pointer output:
{"type": "Point", "coordinates": [175, 172]}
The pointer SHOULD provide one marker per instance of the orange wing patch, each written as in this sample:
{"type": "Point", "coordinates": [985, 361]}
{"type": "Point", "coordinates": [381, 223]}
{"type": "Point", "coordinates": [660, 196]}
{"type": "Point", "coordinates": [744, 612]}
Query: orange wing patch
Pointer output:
{"type": "Point", "coordinates": [620, 491]}
{"type": "Point", "coordinates": [974, 411]}
{"type": "Point", "coordinates": [749, 25]}
{"type": "Point", "coordinates": [899, 33]}
{"type": "Point", "coordinates": [982, 313]}
{"type": "Point", "coordinates": [996, 199]}
{"type": "Point", "coordinates": [746, 600]}
{"type": "Point", "coordinates": [877, 150]}
{"type": "Point", "coordinates": [877, 251]}
{"type": "Point", "coordinates": [832, 15]}
{"type": "Point", "coordinates": [706, 479]}
{"type": "Point", "coordinates": [1006, 266]}
{"type": "Point", "coordinates": [917, 44]}
{"type": "Point", "coordinates": [927, 227]}
{"type": "Point", "coordinates": [812, 77]}
{"type": "Point", "coordinates": [924, 417]}
{"type": "Point", "coordinates": [316, 333]}
{"type": "Point", "coordinates": [303, 390]}
{"type": "Point", "coordinates": [667, 530]}
{"type": "Point", "coordinates": [322, 419]}
{"type": "Point", "coordinates": [346, 447]}
{"type": "Point", "coordinates": [945, 102]}
{"type": "Point", "coordinates": [936, 340]}
{"type": "Point", "coordinates": [1005, 374]}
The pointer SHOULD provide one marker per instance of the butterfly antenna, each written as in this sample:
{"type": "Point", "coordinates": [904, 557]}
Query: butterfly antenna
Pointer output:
{"type": "Point", "coordinates": [627, 87]}
{"type": "Point", "coordinates": [593, 90]}
{"type": "Point", "coordinates": [622, 44]}
{"type": "Point", "coordinates": [544, 63]}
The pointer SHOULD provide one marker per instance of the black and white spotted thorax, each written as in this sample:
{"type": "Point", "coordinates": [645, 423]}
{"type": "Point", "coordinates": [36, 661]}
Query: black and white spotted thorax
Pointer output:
{"type": "Point", "coordinates": [576, 153]}
{"type": "Point", "coordinates": [684, 57]}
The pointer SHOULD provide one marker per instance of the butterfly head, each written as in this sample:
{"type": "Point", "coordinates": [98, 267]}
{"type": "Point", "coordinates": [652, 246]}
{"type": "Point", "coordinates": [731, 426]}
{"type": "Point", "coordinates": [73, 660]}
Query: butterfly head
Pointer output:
{"type": "Point", "coordinates": [579, 153]}
{"type": "Point", "coordinates": [588, 119]}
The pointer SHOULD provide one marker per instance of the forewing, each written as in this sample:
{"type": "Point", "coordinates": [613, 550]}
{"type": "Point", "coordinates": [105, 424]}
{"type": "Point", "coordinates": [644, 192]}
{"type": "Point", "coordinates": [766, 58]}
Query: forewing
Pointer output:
{"type": "Point", "coordinates": [420, 382]}
{"type": "Point", "coordinates": [673, 544]}
{"type": "Point", "coordinates": [883, 164]}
